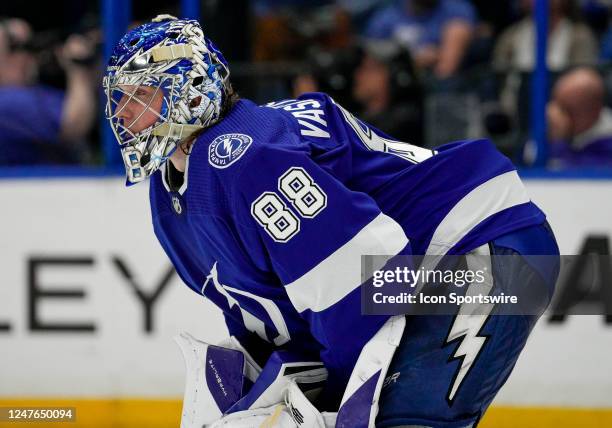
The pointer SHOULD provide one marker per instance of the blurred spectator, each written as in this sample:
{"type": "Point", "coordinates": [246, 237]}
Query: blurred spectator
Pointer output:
{"type": "Point", "coordinates": [386, 87]}
{"type": "Point", "coordinates": [570, 42]}
{"type": "Point", "coordinates": [360, 12]}
{"type": "Point", "coordinates": [595, 13]}
{"type": "Point", "coordinates": [332, 72]}
{"type": "Point", "coordinates": [437, 32]}
{"type": "Point", "coordinates": [287, 29]}
{"type": "Point", "coordinates": [39, 124]}
{"type": "Point", "coordinates": [495, 16]}
{"type": "Point", "coordinates": [305, 82]}
{"type": "Point", "coordinates": [605, 52]}
{"type": "Point", "coordinates": [580, 125]}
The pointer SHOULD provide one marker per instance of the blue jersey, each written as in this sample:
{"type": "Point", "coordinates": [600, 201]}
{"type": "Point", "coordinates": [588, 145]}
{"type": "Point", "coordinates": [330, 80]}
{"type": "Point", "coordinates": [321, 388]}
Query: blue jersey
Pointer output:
{"type": "Point", "coordinates": [280, 201]}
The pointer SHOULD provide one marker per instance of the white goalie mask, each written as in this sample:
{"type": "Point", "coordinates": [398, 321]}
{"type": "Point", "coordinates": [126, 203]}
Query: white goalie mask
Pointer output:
{"type": "Point", "coordinates": [164, 81]}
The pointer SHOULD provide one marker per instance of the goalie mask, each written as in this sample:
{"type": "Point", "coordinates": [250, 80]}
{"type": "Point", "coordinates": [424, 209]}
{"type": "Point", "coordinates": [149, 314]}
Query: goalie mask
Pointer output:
{"type": "Point", "coordinates": [164, 81]}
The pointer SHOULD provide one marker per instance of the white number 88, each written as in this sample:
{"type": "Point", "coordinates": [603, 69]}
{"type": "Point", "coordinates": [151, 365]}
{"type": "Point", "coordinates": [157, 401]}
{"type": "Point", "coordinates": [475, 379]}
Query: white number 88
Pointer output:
{"type": "Point", "coordinates": [274, 216]}
{"type": "Point", "coordinates": [299, 187]}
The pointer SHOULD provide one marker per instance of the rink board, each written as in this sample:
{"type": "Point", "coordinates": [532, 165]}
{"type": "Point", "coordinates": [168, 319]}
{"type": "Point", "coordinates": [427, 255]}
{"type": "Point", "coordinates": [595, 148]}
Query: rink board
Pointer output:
{"type": "Point", "coordinates": [71, 237]}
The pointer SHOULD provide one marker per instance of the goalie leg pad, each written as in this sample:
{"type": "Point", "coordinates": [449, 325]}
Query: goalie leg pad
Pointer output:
{"type": "Point", "coordinates": [277, 416]}
{"type": "Point", "coordinates": [449, 368]}
{"type": "Point", "coordinates": [359, 405]}
{"type": "Point", "coordinates": [296, 412]}
{"type": "Point", "coordinates": [216, 378]}
{"type": "Point", "coordinates": [280, 369]}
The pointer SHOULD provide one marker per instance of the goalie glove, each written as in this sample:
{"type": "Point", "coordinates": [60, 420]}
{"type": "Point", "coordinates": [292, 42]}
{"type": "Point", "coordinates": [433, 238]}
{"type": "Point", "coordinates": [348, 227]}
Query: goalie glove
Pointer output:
{"type": "Point", "coordinates": [281, 368]}
{"type": "Point", "coordinates": [225, 380]}
{"type": "Point", "coordinates": [212, 390]}
{"type": "Point", "coordinates": [216, 378]}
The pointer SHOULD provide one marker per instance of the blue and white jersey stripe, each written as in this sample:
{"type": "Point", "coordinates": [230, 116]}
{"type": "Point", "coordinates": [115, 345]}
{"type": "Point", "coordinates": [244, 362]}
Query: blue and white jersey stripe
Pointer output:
{"type": "Point", "coordinates": [342, 268]}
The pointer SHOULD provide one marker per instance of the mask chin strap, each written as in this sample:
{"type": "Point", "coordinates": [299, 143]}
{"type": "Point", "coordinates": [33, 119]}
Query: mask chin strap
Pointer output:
{"type": "Point", "coordinates": [175, 130]}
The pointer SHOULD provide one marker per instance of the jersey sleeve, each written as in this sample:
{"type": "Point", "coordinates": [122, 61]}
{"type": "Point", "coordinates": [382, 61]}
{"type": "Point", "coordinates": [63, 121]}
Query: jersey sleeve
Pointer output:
{"type": "Point", "coordinates": [314, 230]}
{"type": "Point", "coordinates": [258, 349]}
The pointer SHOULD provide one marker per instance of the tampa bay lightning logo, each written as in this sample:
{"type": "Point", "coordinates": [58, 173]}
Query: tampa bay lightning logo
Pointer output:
{"type": "Point", "coordinates": [227, 149]}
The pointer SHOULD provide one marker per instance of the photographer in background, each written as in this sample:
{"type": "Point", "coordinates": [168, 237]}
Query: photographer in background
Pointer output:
{"type": "Point", "coordinates": [40, 124]}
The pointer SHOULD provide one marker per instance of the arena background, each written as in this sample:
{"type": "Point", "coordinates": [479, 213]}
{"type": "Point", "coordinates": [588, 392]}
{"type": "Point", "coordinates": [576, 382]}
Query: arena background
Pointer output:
{"type": "Point", "coordinates": [89, 303]}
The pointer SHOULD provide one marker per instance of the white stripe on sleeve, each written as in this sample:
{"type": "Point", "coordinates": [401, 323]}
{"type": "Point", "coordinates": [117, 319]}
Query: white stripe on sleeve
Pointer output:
{"type": "Point", "coordinates": [493, 196]}
{"type": "Point", "coordinates": [340, 273]}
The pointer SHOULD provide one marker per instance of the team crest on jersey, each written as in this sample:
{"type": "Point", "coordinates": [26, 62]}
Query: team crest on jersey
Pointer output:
{"type": "Point", "coordinates": [227, 149]}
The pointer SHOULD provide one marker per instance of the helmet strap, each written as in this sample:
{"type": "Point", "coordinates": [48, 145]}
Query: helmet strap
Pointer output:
{"type": "Point", "coordinates": [169, 53]}
{"type": "Point", "coordinates": [175, 130]}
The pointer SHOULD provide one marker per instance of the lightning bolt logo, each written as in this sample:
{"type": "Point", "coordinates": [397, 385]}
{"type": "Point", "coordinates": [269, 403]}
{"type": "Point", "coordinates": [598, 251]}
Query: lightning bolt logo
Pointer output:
{"type": "Point", "coordinates": [227, 149]}
{"type": "Point", "coordinates": [469, 322]}
{"type": "Point", "coordinates": [227, 145]}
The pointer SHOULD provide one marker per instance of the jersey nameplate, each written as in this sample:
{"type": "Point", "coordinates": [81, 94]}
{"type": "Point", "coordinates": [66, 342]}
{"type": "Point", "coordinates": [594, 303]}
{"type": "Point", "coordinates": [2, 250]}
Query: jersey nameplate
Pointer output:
{"type": "Point", "coordinates": [309, 114]}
